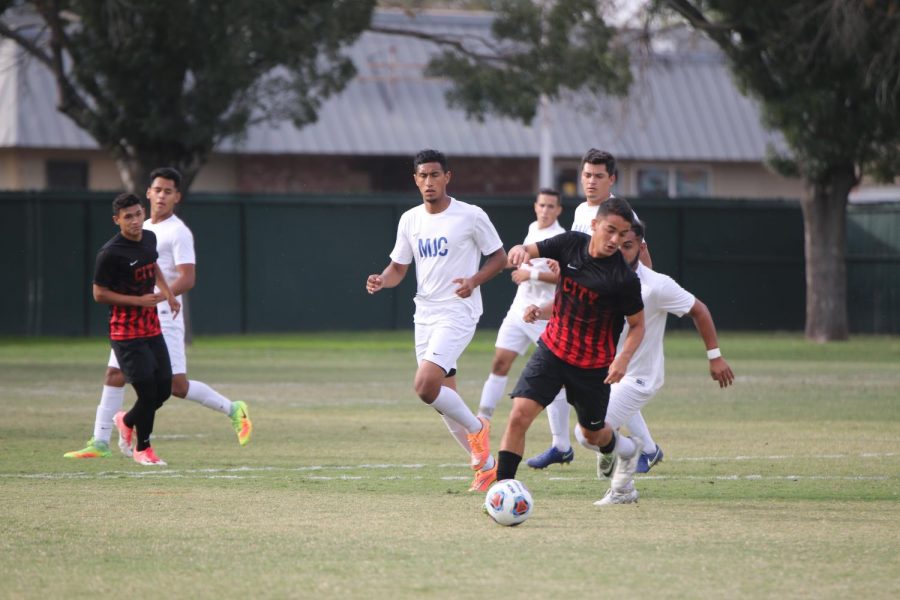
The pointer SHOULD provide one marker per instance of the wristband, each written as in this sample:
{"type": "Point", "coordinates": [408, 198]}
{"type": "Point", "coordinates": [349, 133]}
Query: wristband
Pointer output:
{"type": "Point", "coordinates": [714, 353]}
{"type": "Point", "coordinates": [534, 275]}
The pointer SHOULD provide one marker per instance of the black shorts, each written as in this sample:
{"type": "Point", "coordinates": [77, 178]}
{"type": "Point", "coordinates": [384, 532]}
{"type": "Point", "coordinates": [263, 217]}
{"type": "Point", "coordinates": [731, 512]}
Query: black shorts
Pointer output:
{"type": "Point", "coordinates": [545, 374]}
{"type": "Point", "coordinates": [143, 359]}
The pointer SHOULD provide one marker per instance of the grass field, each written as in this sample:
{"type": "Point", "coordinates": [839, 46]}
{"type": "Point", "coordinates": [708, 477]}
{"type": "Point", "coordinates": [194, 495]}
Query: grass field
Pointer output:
{"type": "Point", "coordinates": [785, 486]}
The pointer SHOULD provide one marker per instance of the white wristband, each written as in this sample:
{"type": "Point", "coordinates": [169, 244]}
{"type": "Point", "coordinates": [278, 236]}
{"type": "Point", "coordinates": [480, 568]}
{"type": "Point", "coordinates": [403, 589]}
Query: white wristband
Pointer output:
{"type": "Point", "coordinates": [534, 275]}
{"type": "Point", "coordinates": [714, 353]}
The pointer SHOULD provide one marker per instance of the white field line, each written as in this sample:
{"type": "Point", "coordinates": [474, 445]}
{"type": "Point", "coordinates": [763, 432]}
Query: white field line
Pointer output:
{"type": "Point", "coordinates": [248, 472]}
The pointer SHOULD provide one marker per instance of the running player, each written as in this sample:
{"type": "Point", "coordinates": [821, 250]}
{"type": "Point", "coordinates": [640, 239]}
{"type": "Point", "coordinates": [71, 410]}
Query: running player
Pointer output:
{"type": "Point", "coordinates": [598, 176]}
{"type": "Point", "coordinates": [175, 245]}
{"type": "Point", "coordinates": [596, 294]}
{"type": "Point", "coordinates": [124, 278]}
{"type": "Point", "coordinates": [446, 238]}
{"type": "Point", "coordinates": [646, 370]}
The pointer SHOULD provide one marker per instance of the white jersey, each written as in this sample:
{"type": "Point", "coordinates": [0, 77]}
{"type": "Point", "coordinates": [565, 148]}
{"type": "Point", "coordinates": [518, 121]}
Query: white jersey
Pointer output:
{"type": "Point", "coordinates": [661, 296]}
{"type": "Point", "coordinates": [445, 246]}
{"type": "Point", "coordinates": [174, 244]}
{"type": "Point", "coordinates": [532, 291]}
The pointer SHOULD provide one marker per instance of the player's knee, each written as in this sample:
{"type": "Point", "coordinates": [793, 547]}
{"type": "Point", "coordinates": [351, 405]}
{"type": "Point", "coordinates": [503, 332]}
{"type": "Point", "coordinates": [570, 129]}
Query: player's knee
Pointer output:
{"type": "Point", "coordinates": [114, 377]}
{"type": "Point", "coordinates": [501, 366]}
{"type": "Point", "coordinates": [180, 387]}
{"type": "Point", "coordinates": [427, 389]}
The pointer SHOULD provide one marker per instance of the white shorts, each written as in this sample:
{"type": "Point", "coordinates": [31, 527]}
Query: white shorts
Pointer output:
{"type": "Point", "coordinates": [625, 399]}
{"type": "Point", "coordinates": [173, 333]}
{"type": "Point", "coordinates": [517, 335]}
{"type": "Point", "coordinates": [443, 339]}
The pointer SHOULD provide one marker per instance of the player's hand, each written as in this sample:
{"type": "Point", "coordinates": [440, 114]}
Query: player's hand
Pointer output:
{"type": "Point", "coordinates": [532, 313]}
{"type": "Point", "coordinates": [465, 288]}
{"type": "Point", "coordinates": [616, 370]}
{"type": "Point", "coordinates": [518, 255]}
{"type": "Point", "coordinates": [148, 300]}
{"type": "Point", "coordinates": [174, 306]}
{"type": "Point", "coordinates": [374, 283]}
{"type": "Point", "coordinates": [553, 265]}
{"type": "Point", "coordinates": [721, 372]}
{"type": "Point", "coordinates": [520, 275]}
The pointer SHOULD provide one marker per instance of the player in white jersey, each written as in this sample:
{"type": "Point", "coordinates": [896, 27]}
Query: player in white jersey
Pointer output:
{"type": "Point", "coordinates": [536, 285]}
{"type": "Point", "coordinates": [646, 370]}
{"type": "Point", "coordinates": [446, 238]}
{"type": "Point", "coordinates": [598, 176]}
{"type": "Point", "coordinates": [175, 246]}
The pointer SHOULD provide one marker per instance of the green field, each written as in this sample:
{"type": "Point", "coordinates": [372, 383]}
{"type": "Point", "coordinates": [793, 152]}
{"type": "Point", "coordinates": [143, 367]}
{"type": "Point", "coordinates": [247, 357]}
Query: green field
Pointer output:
{"type": "Point", "coordinates": [785, 486]}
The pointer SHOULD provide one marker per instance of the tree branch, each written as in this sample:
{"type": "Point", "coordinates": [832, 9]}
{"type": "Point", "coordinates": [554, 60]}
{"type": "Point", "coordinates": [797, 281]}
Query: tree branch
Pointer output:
{"type": "Point", "coordinates": [454, 43]}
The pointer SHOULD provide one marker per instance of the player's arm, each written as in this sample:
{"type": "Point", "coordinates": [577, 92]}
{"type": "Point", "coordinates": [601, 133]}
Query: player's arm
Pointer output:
{"type": "Point", "coordinates": [719, 370]}
{"type": "Point", "coordinates": [104, 295]}
{"type": "Point", "coordinates": [520, 276]}
{"type": "Point", "coordinates": [492, 266]}
{"type": "Point", "coordinates": [522, 253]}
{"type": "Point", "coordinates": [392, 275]}
{"type": "Point", "coordinates": [174, 304]}
{"type": "Point", "coordinates": [185, 280]}
{"type": "Point", "coordinates": [619, 365]}
{"type": "Point", "coordinates": [534, 312]}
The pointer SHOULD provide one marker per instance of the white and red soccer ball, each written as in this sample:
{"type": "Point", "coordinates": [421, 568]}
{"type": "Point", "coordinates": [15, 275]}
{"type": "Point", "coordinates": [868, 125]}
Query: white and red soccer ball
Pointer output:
{"type": "Point", "coordinates": [509, 502]}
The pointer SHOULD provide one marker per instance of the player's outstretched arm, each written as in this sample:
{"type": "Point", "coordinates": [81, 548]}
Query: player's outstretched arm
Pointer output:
{"type": "Point", "coordinates": [619, 365]}
{"type": "Point", "coordinates": [522, 254]}
{"type": "Point", "coordinates": [719, 370]}
{"type": "Point", "coordinates": [392, 275]}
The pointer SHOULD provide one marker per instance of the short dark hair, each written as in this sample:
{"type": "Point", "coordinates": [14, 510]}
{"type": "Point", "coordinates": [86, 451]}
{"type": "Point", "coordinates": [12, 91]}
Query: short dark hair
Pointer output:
{"type": "Point", "coordinates": [123, 201]}
{"type": "Point", "coordinates": [616, 206]}
{"type": "Point", "coordinates": [600, 157]}
{"type": "Point", "coordinates": [430, 156]}
{"type": "Point", "coordinates": [638, 227]}
{"type": "Point", "coordinates": [551, 192]}
{"type": "Point", "coordinates": [166, 173]}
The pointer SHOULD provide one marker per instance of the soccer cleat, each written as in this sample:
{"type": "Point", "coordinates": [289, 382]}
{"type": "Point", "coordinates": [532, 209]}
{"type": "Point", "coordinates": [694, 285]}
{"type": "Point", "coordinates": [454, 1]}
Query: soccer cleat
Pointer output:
{"type": "Point", "coordinates": [94, 449]}
{"type": "Point", "coordinates": [623, 474]}
{"type": "Point", "coordinates": [628, 497]}
{"type": "Point", "coordinates": [551, 456]}
{"type": "Point", "coordinates": [148, 457]}
{"type": "Point", "coordinates": [483, 480]}
{"type": "Point", "coordinates": [606, 464]}
{"type": "Point", "coordinates": [240, 420]}
{"type": "Point", "coordinates": [125, 433]}
{"type": "Point", "coordinates": [480, 443]}
{"type": "Point", "coordinates": [649, 459]}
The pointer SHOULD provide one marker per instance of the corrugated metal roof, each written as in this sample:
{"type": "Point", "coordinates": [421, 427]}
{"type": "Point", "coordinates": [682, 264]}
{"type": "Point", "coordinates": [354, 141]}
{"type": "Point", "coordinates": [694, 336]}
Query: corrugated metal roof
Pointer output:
{"type": "Point", "coordinates": [684, 108]}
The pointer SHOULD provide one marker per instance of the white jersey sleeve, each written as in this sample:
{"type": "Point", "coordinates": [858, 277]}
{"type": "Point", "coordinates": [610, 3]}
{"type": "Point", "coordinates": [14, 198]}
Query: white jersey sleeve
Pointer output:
{"type": "Point", "coordinates": [403, 250]}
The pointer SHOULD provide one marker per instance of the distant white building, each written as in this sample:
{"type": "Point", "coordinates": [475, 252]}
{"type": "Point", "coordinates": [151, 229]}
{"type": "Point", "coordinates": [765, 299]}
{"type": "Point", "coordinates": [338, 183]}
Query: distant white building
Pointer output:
{"type": "Point", "coordinates": [684, 130]}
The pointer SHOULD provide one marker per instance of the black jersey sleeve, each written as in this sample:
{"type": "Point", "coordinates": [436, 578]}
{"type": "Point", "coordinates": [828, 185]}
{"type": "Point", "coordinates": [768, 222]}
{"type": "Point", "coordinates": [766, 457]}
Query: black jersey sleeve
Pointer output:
{"type": "Point", "coordinates": [104, 269]}
{"type": "Point", "coordinates": [556, 246]}
{"type": "Point", "coordinates": [632, 303]}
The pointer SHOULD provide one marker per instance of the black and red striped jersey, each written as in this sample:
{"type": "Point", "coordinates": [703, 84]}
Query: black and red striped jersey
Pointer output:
{"type": "Point", "coordinates": [128, 267]}
{"type": "Point", "coordinates": [593, 297]}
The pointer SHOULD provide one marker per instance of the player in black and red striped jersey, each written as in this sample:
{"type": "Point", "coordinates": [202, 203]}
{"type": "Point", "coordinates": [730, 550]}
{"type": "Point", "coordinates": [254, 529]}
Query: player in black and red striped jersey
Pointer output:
{"type": "Point", "coordinates": [124, 277]}
{"type": "Point", "coordinates": [596, 293]}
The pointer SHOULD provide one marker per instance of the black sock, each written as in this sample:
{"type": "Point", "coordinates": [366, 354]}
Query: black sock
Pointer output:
{"type": "Point", "coordinates": [507, 465]}
{"type": "Point", "coordinates": [610, 446]}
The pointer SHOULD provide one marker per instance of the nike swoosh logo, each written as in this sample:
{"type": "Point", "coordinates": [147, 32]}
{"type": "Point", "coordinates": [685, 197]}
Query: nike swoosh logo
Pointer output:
{"type": "Point", "coordinates": [131, 264]}
{"type": "Point", "coordinates": [596, 422]}
{"type": "Point", "coordinates": [571, 266]}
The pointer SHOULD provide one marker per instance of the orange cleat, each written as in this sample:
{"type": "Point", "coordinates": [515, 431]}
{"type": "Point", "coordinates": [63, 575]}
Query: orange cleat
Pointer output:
{"type": "Point", "coordinates": [484, 480]}
{"type": "Point", "coordinates": [480, 443]}
{"type": "Point", "coordinates": [125, 433]}
{"type": "Point", "coordinates": [148, 457]}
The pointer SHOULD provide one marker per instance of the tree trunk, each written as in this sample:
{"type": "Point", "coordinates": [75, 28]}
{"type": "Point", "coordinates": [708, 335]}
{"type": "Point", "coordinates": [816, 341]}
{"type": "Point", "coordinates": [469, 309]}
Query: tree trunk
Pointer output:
{"type": "Point", "coordinates": [825, 242]}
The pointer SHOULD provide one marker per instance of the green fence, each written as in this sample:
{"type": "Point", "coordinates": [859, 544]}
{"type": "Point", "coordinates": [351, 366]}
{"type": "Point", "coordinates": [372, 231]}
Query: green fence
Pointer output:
{"type": "Point", "coordinates": [277, 263]}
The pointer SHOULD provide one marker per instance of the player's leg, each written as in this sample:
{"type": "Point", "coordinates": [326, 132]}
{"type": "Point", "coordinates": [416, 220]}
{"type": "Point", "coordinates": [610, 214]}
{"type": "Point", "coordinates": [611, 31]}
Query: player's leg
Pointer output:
{"type": "Point", "coordinates": [111, 399]}
{"type": "Point", "coordinates": [513, 339]}
{"type": "Point", "coordinates": [138, 364]}
{"type": "Point", "coordinates": [560, 450]}
{"type": "Point", "coordinates": [197, 391]}
{"type": "Point", "coordinates": [438, 346]}
{"type": "Point", "coordinates": [651, 453]}
{"type": "Point", "coordinates": [538, 384]}
{"type": "Point", "coordinates": [162, 385]}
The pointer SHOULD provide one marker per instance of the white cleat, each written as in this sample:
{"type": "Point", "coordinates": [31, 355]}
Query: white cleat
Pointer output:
{"type": "Point", "coordinates": [606, 463]}
{"type": "Point", "coordinates": [611, 497]}
{"type": "Point", "coordinates": [623, 474]}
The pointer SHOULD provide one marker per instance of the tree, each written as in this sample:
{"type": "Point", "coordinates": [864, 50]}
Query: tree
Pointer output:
{"type": "Point", "coordinates": [162, 82]}
{"type": "Point", "coordinates": [827, 73]}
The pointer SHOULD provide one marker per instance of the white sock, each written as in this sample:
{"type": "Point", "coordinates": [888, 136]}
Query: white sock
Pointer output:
{"type": "Point", "coordinates": [450, 403]}
{"type": "Point", "coordinates": [558, 415]}
{"type": "Point", "coordinates": [638, 427]}
{"type": "Point", "coordinates": [583, 441]}
{"type": "Point", "coordinates": [201, 393]}
{"type": "Point", "coordinates": [625, 446]}
{"type": "Point", "coordinates": [488, 464]}
{"type": "Point", "coordinates": [111, 400]}
{"type": "Point", "coordinates": [491, 393]}
{"type": "Point", "coordinates": [458, 432]}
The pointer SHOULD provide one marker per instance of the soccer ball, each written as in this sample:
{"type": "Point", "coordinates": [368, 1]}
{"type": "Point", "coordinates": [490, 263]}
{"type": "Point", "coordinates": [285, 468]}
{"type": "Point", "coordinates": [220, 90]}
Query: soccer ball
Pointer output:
{"type": "Point", "coordinates": [509, 502]}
